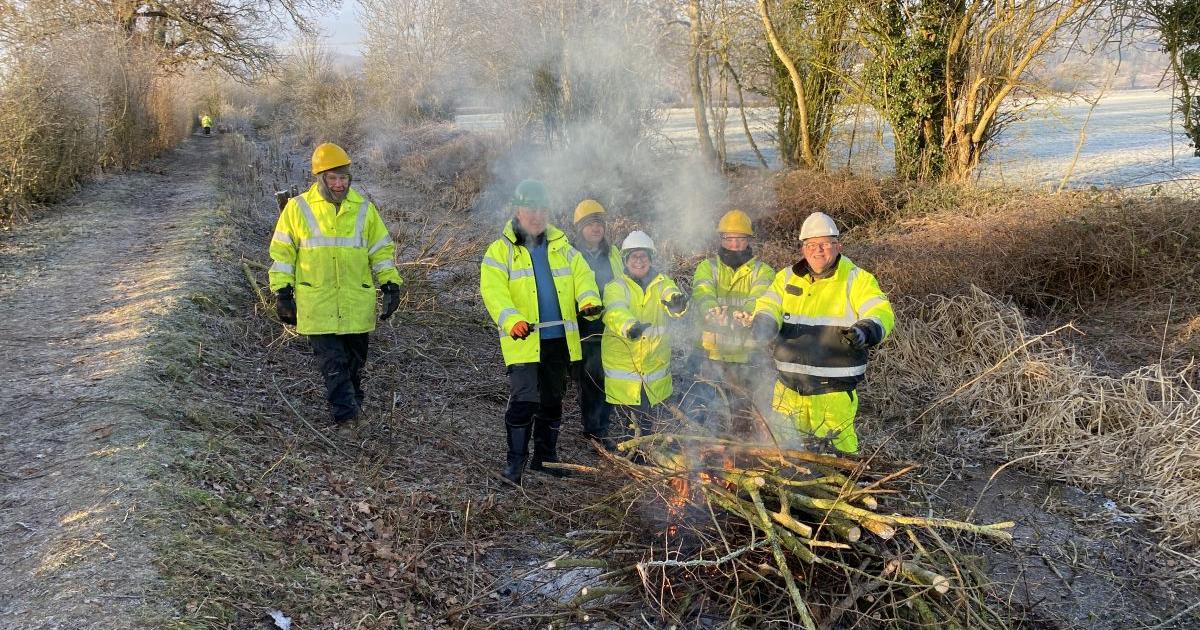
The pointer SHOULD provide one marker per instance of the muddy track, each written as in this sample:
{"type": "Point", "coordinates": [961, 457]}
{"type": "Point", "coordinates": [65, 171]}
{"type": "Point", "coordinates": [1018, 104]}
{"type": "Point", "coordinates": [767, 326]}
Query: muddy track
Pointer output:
{"type": "Point", "coordinates": [82, 290]}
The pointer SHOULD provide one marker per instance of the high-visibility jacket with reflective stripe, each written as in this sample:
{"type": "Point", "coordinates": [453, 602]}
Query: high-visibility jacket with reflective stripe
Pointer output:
{"type": "Point", "coordinates": [811, 355]}
{"type": "Point", "coordinates": [592, 330]}
{"type": "Point", "coordinates": [630, 364]}
{"type": "Point", "coordinates": [509, 291]}
{"type": "Point", "coordinates": [717, 284]}
{"type": "Point", "coordinates": [328, 253]}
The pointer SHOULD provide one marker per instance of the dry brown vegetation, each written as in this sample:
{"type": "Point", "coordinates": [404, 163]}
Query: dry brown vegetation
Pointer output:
{"type": "Point", "coordinates": [80, 105]}
{"type": "Point", "coordinates": [1125, 263]}
{"type": "Point", "coordinates": [978, 273]}
{"type": "Point", "coordinates": [409, 525]}
{"type": "Point", "coordinates": [971, 361]}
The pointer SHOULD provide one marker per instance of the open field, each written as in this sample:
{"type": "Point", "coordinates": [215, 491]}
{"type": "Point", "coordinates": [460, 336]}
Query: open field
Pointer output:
{"type": "Point", "coordinates": [1127, 143]}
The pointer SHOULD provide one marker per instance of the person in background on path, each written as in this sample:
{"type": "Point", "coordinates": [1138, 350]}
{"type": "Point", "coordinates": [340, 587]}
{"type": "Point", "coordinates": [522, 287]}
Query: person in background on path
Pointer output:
{"type": "Point", "coordinates": [724, 291]}
{"type": "Point", "coordinates": [822, 314]}
{"type": "Point", "coordinates": [328, 242]}
{"type": "Point", "coordinates": [206, 123]}
{"type": "Point", "coordinates": [635, 350]}
{"type": "Point", "coordinates": [591, 240]}
{"type": "Point", "coordinates": [533, 283]}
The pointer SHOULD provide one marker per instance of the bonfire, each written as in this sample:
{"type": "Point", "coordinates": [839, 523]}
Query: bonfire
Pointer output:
{"type": "Point", "coordinates": [709, 530]}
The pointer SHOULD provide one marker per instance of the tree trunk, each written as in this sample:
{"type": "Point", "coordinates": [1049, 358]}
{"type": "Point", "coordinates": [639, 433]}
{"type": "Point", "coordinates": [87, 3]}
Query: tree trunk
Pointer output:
{"type": "Point", "coordinates": [806, 152]}
{"type": "Point", "coordinates": [699, 102]}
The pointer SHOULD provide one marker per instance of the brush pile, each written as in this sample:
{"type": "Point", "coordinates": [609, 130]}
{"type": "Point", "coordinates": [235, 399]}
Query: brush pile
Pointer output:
{"type": "Point", "coordinates": [713, 531]}
{"type": "Point", "coordinates": [970, 360]}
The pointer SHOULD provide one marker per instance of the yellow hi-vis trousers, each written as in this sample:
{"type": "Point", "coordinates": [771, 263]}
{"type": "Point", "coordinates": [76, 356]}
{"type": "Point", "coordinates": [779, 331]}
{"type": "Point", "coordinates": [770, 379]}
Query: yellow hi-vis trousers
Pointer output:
{"type": "Point", "coordinates": [823, 416]}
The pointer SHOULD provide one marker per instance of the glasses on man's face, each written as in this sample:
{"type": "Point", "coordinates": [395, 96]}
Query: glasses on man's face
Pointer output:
{"type": "Point", "coordinates": [735, 239]}
{"type": "Point", "coordinates": [820, 247]}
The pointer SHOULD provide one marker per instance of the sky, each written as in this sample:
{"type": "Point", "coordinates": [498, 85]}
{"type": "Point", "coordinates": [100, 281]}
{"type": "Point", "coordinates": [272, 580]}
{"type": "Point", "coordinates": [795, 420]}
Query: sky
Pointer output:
{"type": "Point", "coordinates": [343, 29]}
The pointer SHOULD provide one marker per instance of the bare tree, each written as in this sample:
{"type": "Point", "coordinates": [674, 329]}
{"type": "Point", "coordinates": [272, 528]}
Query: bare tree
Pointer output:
{"type": "Point", "coordinates": [236, 36]}
{"type": "Point", "coordinates": [811, 49]}
{"type": "Point", "coordinates": [698, 75]}
{"type": "Point", "coordinates": [411, 49]}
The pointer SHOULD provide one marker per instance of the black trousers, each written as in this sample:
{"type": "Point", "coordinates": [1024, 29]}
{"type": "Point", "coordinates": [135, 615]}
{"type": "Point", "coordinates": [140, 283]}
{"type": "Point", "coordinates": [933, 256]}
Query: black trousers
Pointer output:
{"type": "Point", "coordinates": [341, 359]}
{"type": "Point", "coordinates": [594, 410]}
{"type": "Point", "coordinates": [535, 394]}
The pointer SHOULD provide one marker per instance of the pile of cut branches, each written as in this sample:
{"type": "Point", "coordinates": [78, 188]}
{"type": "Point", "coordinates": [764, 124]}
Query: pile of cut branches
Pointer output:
{"type": "Point", "coordinates": [713, 531]}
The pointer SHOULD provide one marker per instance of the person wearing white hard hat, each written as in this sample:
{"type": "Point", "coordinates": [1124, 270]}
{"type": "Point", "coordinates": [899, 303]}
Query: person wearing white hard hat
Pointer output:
{"type": "Point", "coordinates": [635, 350]}
{"type": "Point", "coordinates": [823, 315]}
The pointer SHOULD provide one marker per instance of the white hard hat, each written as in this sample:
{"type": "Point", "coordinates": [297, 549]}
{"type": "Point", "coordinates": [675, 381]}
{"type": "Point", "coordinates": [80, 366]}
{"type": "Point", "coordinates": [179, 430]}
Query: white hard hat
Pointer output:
{"type": "Point", "coordinates": [637, 239]}
{"type": "Point", "coordinates": [818, 224]}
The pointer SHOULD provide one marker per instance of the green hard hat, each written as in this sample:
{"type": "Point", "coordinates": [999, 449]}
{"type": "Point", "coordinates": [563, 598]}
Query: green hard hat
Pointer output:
{"type": "Point", "coordinates": [531, 194]}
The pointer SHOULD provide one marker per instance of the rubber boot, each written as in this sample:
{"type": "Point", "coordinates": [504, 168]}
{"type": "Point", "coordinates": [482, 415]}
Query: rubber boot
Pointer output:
{"type": "Point", "coordinates": [518, 450]}
{"type": "Point", "coordinates": [545, 446]}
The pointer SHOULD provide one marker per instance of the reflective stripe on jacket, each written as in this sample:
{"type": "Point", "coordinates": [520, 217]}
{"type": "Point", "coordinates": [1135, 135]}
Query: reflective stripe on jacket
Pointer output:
{"type": "Point", "coordinates": [733, 288]}
{"type": "Point", "coordinates": [509, 291]}
{"type": "Point", "coordinates": [592, 330]}
{"type": "Point", "coordinates": [630, 364]}
{"type": "Point", "coordinates": [328, 253]}
{"type": "Point", "coordinates": [811, 355]}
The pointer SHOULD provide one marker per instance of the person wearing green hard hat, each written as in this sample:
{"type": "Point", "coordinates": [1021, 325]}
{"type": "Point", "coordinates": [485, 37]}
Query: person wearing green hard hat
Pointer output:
{"type": "Point", "coordinates": [536, 287]}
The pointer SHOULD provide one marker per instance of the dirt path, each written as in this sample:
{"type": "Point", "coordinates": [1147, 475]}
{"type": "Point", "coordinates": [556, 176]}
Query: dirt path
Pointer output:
{"type": "Point", "coordinates": [81, 291]}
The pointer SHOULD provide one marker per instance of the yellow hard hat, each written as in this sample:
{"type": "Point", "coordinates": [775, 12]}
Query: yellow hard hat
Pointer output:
{"type": "Point", "coordinates": [735, 222]}
{"type": "Point", "coordinates": [587, 208]}
{"type": "Point", "coordinates": [327, 156]}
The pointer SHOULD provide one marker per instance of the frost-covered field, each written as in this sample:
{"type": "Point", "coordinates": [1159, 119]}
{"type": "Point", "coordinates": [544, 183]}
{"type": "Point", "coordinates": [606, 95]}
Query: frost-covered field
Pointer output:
{"type": "Point", "coordinates": [1127, 143]}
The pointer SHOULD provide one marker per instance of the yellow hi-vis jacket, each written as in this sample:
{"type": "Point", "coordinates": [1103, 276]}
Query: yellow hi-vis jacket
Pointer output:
{"type": "Point", "coordinates": [206, 122]}
{"type": "Point", "coordinates": [630, 364]}
{"type": "Point", "coordinates": [717, 284]}
{"type": "Point", "coordinates": [592, 331]}
{"type": "Point", "coordinates": [810, 353]}
{"type": "Point", "coordinates": [328, 253]}
{"type": "Point", "coordinates": [509, 291]}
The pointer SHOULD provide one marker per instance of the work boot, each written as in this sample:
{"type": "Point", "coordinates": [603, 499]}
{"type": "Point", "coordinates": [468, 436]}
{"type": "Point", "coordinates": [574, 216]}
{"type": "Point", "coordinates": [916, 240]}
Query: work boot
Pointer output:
{"type": "Point", "coordinates": [518, 450]}
{"type": "Point", "coordinates": [545, 446]}
{"type": "Point", "coordinates": [602, 440]}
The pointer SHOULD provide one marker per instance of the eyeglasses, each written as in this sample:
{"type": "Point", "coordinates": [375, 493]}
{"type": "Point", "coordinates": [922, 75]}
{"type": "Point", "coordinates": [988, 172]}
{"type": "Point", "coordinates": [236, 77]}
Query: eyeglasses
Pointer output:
{"type": "Point", "coordinates": [813, 247]}
{"type": "Point", "coordinates": [734, 239]}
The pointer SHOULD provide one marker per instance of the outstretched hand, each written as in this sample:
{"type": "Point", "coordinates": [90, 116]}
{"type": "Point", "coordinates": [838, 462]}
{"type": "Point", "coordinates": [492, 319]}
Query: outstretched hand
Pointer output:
{"type": "Point", "coordinates": [637, 330]}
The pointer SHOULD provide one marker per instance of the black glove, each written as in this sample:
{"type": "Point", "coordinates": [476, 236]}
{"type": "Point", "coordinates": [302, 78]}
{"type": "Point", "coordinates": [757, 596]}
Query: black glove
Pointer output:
{"type": "Point", "coordinates": [635, 331]}
{"type": "Point", "coordinates": [591, 311]}
{"type": "Point", "coordinates": [856, 337]}
{"type": "Point", "coordinates": [285, 305]}
{"type": "Point", "coordinates": [763, 329]}
{"type": "Point", "coordinates": [391, 299]}
{"type": "Point", "coordinates": [676, 304]}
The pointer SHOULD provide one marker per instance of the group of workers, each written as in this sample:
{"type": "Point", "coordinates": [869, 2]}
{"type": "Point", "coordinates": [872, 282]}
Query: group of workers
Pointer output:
{"type": "Point", "coordinates": [564, 304]}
